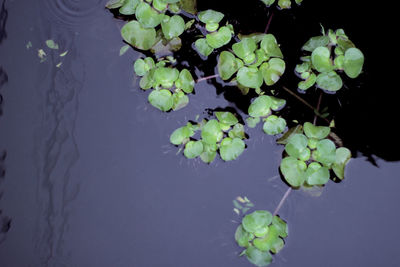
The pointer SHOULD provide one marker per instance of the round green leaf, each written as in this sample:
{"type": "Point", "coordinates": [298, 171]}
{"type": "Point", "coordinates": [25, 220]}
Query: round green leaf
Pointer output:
{"type": "Point", "coordinates": [297, 147]}
{"type": "Point", "coordinates": [181, 134]}
{"type": "Point", "coordinates": [226, 118]}
{"type": "Point", "coordinates": [172, 26]}
{"type": "Point", "coordinates": [339, 62]}
{"type": "Point", "coordinates": [293, 171]}
{"type": "Point", "coordinates": [148, 16]}
{"type": "Point", "coordinates": [202, 47]}
{"type": "Point", "coordinates": [237, 131]}
{"type": "Point", "coordinates": [243, 237]}
{"type": "Point", "coordinates": [129, 7]}
{"type": "Point", "coordinates": [277, 103]}
{"type": "Point", "coordinates": [114, 4]}
{"type": "Point", "coordinates": [258, 257]}
{"type": "Point", "coordinates": [272, 70]}
{"type": "Point", "coordinates": [284, 4]}
{"type": "Point", "coordinates": [193, 149]}
{"type": "Point", "coordinates": [220, 37]}
{"type": "Point", "coordinates": [211, 132]}
{"type": "Point", "coordinates": [343, 155]}
{"type": "Point", "coordinates": [166, 76]}
{"type": "Point", "coordinates": [329, 81]}
{"type": "Point", "coordinates": [140, 67]}
{"type": "Point", "coordinates": [252, 121]}
{"type": "Point", "coordinates": [161, 99]}
{"type": "Point", "coordinates": [325, 152]}
{"type": "Point", "coordinates": [147, 80]}
{"type": "Point", "coordinates": [250, 77]}
{"type": "Point", "coordinates": [274, 125]}
{"type": "Point", "coordinates": [185, 81]}
{"type": "Point", "coordinates": [257, 221]}
{"type": "Point", "coordinates": [227, 65]}
{"type": "Point", "coordinates": [317, 132]}
{"type": "Point", "coordinates": [270, 46]}
{"type": "Point", "coordinates": [231, 148]}
{"type": "Point", "coordinates": [316, 174]}
{"type": "Point", "coordinates": [353, 62]}
{"type": "Point", "coordinates": [160, 5]}
{"type": "Point", "coordinates": [209, 152]}
{"type": "Point", "coordinates": [137, 36]}
{"type": "Point", "coordinates": [321, 60]}
{"type": "Point", "coordinates": [281, 226]}
{"type": "Point", "coordinates": [315, 42]}
{"type": "Point", "coordinates": [244, 48]}
{"type": "Point", "coordinates": [260, 107]}
{"type": "Point", "coordinates": [180, 100]}
{"type": "Point", "coordinates": [210, 16]}
{"type": "Point", "coordinates": [310, 81]}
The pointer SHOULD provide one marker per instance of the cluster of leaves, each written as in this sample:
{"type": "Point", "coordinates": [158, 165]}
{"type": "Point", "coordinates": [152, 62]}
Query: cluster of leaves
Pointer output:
{"type": "Point", "coordinates": [169, 85]}
{"type": "Point", "coordinates": [261, 233]}
{"type": "Point", "coordinates": [260, 109]}
{"type": "Point", "coordinates": [255, 59]}
{"type": "Point", "coordinates": [242, 205]}
{"type": "Point", "coordinates": [282, 4]}
{"type": "Point", "coordinates": [311, 156]}
{"type": "Point", "coordinates": [224, 135]}
{"type": "Point", "coordinates": [142, 33]}
{"type": "Point", "coordinates": [322, 65]}
{"type": "Point", "coordinates": [216, 36]}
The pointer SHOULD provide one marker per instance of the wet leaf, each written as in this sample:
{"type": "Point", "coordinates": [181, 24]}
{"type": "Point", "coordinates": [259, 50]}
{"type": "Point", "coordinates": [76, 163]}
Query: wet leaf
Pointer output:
{"type": "Point", "coordinates": [353, 62]}
{"type": "Point", "coordinates": [147, 80]}
{"type": "Point", "coordinates": [211, 18]}
{"type": "Point", "coordinates": [209, 152]}
{"type": "Point", "coordinates": [310, 81]}
{"type": "Point", "coordinates": [51, 44]}
{"type": "Point", "coordinates": [329, 81]}
{"type": "Point", "coordinates": [219, 38]}
{"type": "Point", "coordinates": [252, 121]}
{"type": "Point", "coordinates": [316, 174]}
{"type": "Point", "coordinates": [315, 42]}
{"type": "Point", "coordinates": [211, 132]}
{"type": "Point", "coordinates": [258, 257]}
{"type": "Point", "coordinates": [277, 103]}
{"type": "Point", "coordinates": [321, 60]}
{"type": "Point", "coordinates": [231, 148]}
{"type": "Point", "coordinates": [268, 2]}
{"type": "Point", "coordinates": [317, 132]}
{"type": "Point", "coordinates": [250, 77]}
{"type": "Point", "coordinates": [148, 16]}
{"type": "Point", "coordinates": [298, 129]}
{"type": "Point", "coordinates": [189, 6]}
{"type": "Point", "coordinates": [166, 76]}
{"type": "Point", "coordinates": [293, 171]}
{"type": "Point", "coordinates": [325, 152]}
{"type": "Point", "coordinates": [228, 65]}
{"type": "Point", "coordinates": [257, 222]}
{"type": "Point", "coordinates": [181, 134]}
{"type": "Point", "coordinates": [273, 70]}
{"type": "Point", "coordinates": [245, 49]}
{"type": "Point", "coordinates": [172, 26]}
{"type": "Point", "coordinates": [270, 46]}
{"type": "Point", "coordinates": [281, 226]}
{"type": "Point", "coordinates": [166, 47]}
{"type": "Point", "coordinates": [243, 237]}
{"type": "Point", "coordinates": [274, 125]}
{"type": "Point", "coordinates": [137, 36]}
{"type": "Point", "coordinates": [142, 66]}
{"type": "Point", "coordinates": [160, 5]}
{"type": "Point", "coordinates": [193, 149]}
{"type": "Point", "coordinates": [123, 50]}
{"type": "Point", "coordinates": [114, 4]}
{"type": "Point", "coordinates": [185, 81]}
{"type": "Point", "coordinates": [237, 131]}
{"type": "Point", "coordinates": [260, 107]}
{"type": "Point", "coordinates": [297, 147]}
{"type": "Point", "coordinates": [284, 4]}
{"type": "Point", "coordinates": [129, 7]}
{"type": "Point", "coordinates": [180, 100]}
{"type": "Point", "coordinates": [161, 99]}
{"type": "Point", "coordinates": [226, 118]}
{"type": "Point", "coordinates": [343, 155]}
{"type": "Point", "coordinates": [202, 47]}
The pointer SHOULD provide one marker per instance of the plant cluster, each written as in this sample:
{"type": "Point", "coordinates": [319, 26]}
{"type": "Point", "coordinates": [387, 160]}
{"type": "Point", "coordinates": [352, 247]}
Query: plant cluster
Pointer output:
{"type": "Point", "coordinates": [261, 234]}
{"type": "Point", "coordinates": [169, 85]}
{"type": "Point", "coordinates": [311, 156]}
{"type": "Point", "coordinates": [255, 59]}
{"type": "Point", "coordinates": [331, 53]}
{"type": "Point", "coordinates": [224, 134]}
{"type": "Point", "coordinates": [282, 4]}
{"type": "Point", "coordinates": [215, 36]}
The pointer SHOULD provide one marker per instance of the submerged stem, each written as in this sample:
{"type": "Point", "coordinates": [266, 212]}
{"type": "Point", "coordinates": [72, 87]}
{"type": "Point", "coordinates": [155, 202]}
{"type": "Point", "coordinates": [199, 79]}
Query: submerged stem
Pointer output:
{"type": "Point", "coordinates": [269, 22]}
{"type": "Point", "coordinates": [318, 107]}
{"type": "Point", "coordinates": [207, 78]}
{"type": "Point", "coordinates": [285, 196]}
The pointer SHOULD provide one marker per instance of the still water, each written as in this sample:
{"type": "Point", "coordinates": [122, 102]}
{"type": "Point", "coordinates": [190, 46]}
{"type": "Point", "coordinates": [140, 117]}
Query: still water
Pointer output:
{"type": "Point", "coordinates": [88, 177]}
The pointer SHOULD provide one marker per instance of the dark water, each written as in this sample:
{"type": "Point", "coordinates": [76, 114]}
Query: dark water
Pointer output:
{"type": "Point", "coordinates": [88, 178]}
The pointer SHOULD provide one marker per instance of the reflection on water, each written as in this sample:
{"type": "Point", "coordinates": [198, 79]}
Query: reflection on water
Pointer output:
{"type": "Point", "coordinates": [3, 21]}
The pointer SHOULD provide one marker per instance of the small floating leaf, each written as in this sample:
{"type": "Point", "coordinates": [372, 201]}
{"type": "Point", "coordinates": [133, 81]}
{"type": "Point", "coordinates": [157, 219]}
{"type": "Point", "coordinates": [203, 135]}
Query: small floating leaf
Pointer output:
{"type": "Point", "coordinates": [297, 147]}
{"type": "Point", "coordinates": [179, 135]}
{"type": "Point", "coordinates": [161, 99]}
{"type": "Point", "coordinates": [237, 131]}
{"type": "Point", "coordinates": [270, 46]}
{"type": "Point", "coordinates": [245, 48]}
{"type": "Point", "coordinates": [321, 60]}
{"type": "Point", "coordinates": [325, 152]}
{"type": "Point", "coordinates": [172, 26]}
{"type": "Point", "coordinates": [243, 237]}
{"type": "Point", "coordinates": [193, 149]}
{"type": "Point", "coordinates": [185, 81]}
{"type": "Point", "coordinates": [260, 107]}
{"type": "Point", "coordinates": [211, 132]}
{"type": "Point", "coordinates": [228, 64]}
{"type": "Point", "coordinates": [148, 16]}
{"type": "Point", "coordinates": [315, 42]}
{"type": "Point", "coordinates": [353, 62]}
{"type": "Point", "coordinates": [231, 148]}
{"type": "Point", "coordinates": [329, 81]}
{"type": "Point", "coordinates": [203, 47]}
{"type": "Point", "coordinates": [281, 226]}
{"type": "Point", "coordinates": [257, 221]}
{"type": "Point", "coordinates": [129, 7]}
{"type": "Point", "coordinates": [250, 77]}
{"type": "Point", "coordinates": [180, 100]}
{"type": "Point", "coordinates": [316, 174]}
{"type": "Point", "coordinates": [123, 50]}
{"type": "Point", "coordinates": [139, 37]}
{"type": "Point", "coordinates": [258, 257]}
{"type": "Point", "coordinates": [252, 121]}
{"type": "Point", "coordinates": [274, 125]}
{"type": "Point", "coordinates": [226, 118]}
{"type": "Point", "coordinates": [166, 76]}
{"type": "Point", "coordinates": [114, 4]}
{"type": "Point", "coordinates": [220, 37]}
{"type": "Point", "coordinates": [293, 171]}
{"type": "Point", "coordinates": [211, 18]}
{"type": "Point", "coordinates": [317, 132]}
{"type": "Point", "coordinates": [343, 155]}
{"type": "Point", "coordinates": [63, 54]}
{"type": "Point", "coordinates": [51, 44]}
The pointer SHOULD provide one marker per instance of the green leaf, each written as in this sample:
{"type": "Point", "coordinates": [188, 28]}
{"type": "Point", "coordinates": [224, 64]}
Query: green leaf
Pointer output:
{"type": "Point", "coordinates": [226, 118]}
{"type": "Point", "coordinates": [189, 6]}
{"type": "Point", "coordinates": [315, 42]}
{"type": "Point", "coordinates": [329, 81]}
{"type": "Point", "coordinates": [180, 100]}
{"type": "Point", "coordinates": [161, 99]}
{"type": "Point", "coordinates": [210, 17]}
{"type": "Point", "coordinates": [250, 77]}
{"type": "Point", "coordinates": [270, 46]}
{"type": "Point", "coordinates": [231, 148]}
{"type": "Point", "coordinates": [147, 80]}
{"type": "Point", "coordinates": [293, 171]}
{"type": "Point", "coordinates": [211, 132]}
{"type": "Point", "coordinates": [297, 147]}
{"type": "Point", "coordinates": [143, 66]}
{"type": "Point", "coordinates": [321, 59]}
{"type": "Point", "coordinates": [281, 226]}
{"type": "Point", "coordinates": [172, 26]}
{"type": "Point", "coordinates": [325, 152]}
{"type": "Point", "coordinates": [123, 50]}
{"type": "Point", "coordinates": [268, 2]}
{"type": "Point", "coordinates": [148, 16]}
{"type": "Point", "coordinates": [114, 4]}
{"type": "Point", "coordinates": [185, 81]}
{"type": "Point", "coordinates": [343, 155]}
{"type": "Point", "coordinates": [51, 44]}
{"type": "Point", "coordinates": [316, 174]}
{"type": "Point", "coordinates": [274, 125]}
{"type": "Point", "coordinates": [228, 65]}
{"type": "Point", "coordinates": [257, 222]}
{"type": "Point", "coordinates": [160, 5]}
{"type": "Point", "coordinates": [245, 48]}
{"type": "Point", "coordinates": [317, 132]}
{"type": "Point", "coordinates": [303, 67]}
{"type": "Point", "coordinates": [129, 7]}
{"type": "Point", "coordinates": [166, 47]}
{"type": "Point", "coordinates": [209, 152]}
{"type": "Point", "coordinates": [353, 62]}
{"type": "Point", "coordinates": [310, 81]}
{"type": "Point", "coordinates": [271, 241]}
{"type": "Point", "coordinates": [243, 237]}
{"type": "Point", "coordinates": [284, 4]}
{"type": "Point", "coordinates": [181, 134]}
{"type": "Point", "coordinates": [137, 36]}
{"type": "Point", "coordinates": [193, 149]}
{"type": "Point", "coordinates": [272, 70]}
{"type": "Point", "coordinates": [166, 76]}
{"type": "Point", "coordinates": [202, 47]}
{"type": "Point", "coordinates": [257, 257]}
{"type": "Point", "coordinates": [252, 121]}
{"type": "Point", "coordinates": [298, 129]}
{"type": "Point", "coordinates": [260, 107]}
{"type": "Point", "coordinates": [219, 38]}
{"type": "Point", "coordinates": [277, 103]}
{"type": "Point", "coordinates": [237, 131]}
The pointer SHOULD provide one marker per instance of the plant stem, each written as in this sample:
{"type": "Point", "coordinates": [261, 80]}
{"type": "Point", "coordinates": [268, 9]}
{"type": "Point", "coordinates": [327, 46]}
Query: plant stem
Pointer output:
{"type": "Point", "coordinates": [269, 22]}
{"type": "Point", "coordinates": [285, 196]}
{"type": "Point", "coordinates": [318, 107]}
{"type": "Point", "coordinates": [207, 78]}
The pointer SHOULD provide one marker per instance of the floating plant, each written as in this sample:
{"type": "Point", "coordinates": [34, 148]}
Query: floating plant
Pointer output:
{"type": "Point", "coordinates": [282, 4]}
